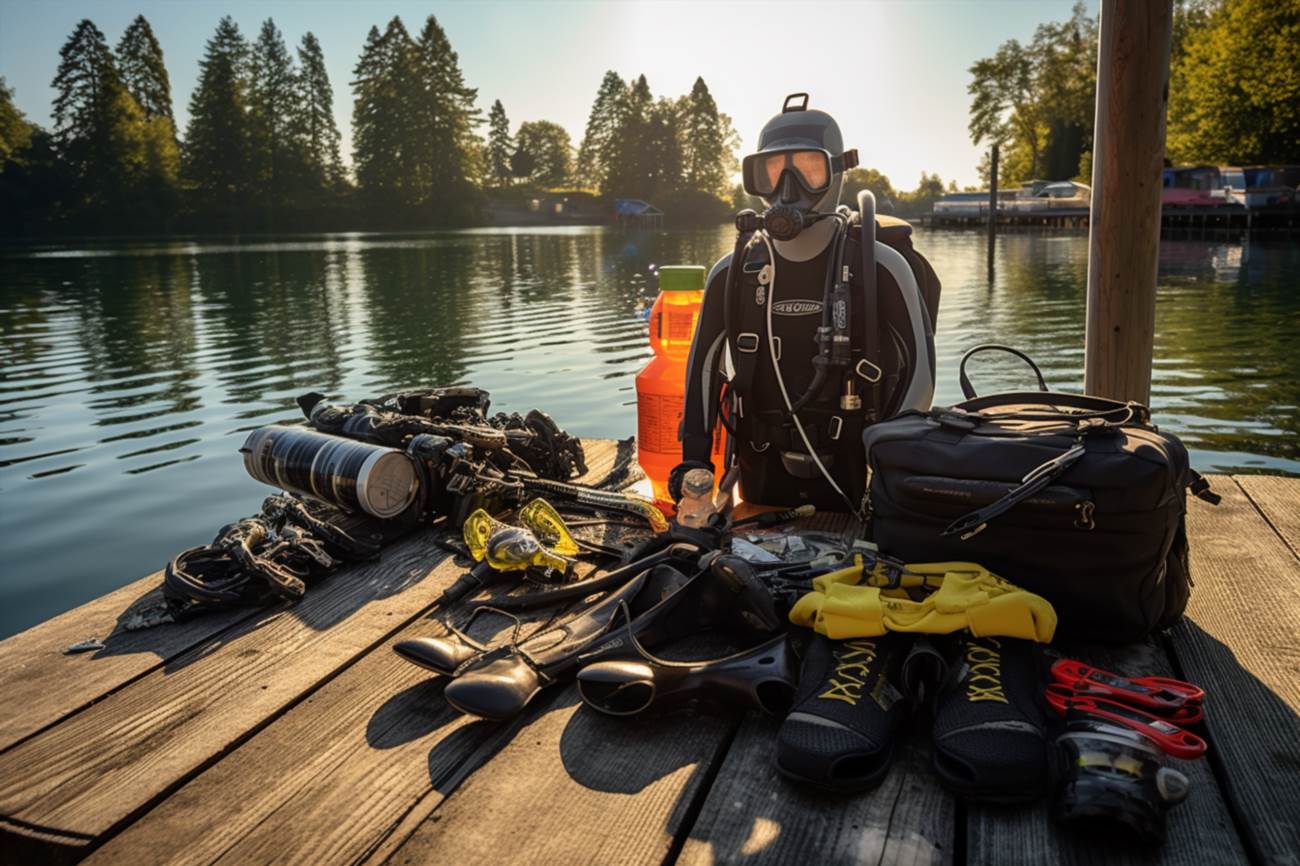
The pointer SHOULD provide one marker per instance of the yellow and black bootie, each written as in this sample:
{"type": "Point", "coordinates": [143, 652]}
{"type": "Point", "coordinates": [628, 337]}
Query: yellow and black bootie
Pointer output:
{"type": "Point", "coordinates": [841, 733]}
{"type": "Point", "coordinates": [990, 736]}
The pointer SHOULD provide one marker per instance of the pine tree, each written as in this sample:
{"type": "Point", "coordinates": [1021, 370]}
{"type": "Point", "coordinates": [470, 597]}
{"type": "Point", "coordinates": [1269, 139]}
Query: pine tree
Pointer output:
{"type": "Point", "coordinates": [499, 145]}
{"type": "Point", "coordinates": [216, 140]}
{"type": "Point", "coordinates": [381, 116]}
{"type": "Point", "coordinates": [85, 82]}
{"type": "Point", "coordinates": [663, 150]}
{"type": "Point", "coordinates": [606, 117]}
{"type": "Point", "coordinates": [274, 151]}
{"type": "Point", "coordinates": [99, 127]}
{"type": "Point", "coordinates": [704, 147]}
{"type": "Point", "coordinates": [315, 115]}
{"type": "Point", "coordinates": [443, 117]}
{"type": "Point", "coordinates": [140, 61]}
{"type": "Point", "coordinates": [627, 154]}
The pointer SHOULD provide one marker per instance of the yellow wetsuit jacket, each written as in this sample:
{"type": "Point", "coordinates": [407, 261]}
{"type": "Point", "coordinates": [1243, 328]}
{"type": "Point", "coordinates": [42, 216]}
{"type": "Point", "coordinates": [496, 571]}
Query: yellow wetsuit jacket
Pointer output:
{"type": "Point", "coordinates": [866, 602]}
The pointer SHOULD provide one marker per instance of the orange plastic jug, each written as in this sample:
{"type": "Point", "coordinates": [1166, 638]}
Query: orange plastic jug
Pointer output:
{"type": "Point", "coordinates": [661, 386]}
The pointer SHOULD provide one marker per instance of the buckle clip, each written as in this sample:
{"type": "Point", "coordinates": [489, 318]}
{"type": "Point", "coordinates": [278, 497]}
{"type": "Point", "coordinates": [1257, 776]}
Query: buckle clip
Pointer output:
{"type": "Point", "coordinates": [747, 342]}
{"type": "Point", "coordinates": [871, 373]}
{"type": "Point", "coordinates": [837, 427]}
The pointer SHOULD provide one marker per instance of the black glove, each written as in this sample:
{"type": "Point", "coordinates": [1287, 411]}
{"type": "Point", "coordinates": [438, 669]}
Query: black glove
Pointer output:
{"type": "Point", "coordinates": [679, 472]}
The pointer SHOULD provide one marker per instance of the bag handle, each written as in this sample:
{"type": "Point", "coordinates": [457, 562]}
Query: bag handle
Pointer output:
{"type": "Point", "coordinates": [968, 390]}
{"type": "Point", "coordinates": [1092, 407]}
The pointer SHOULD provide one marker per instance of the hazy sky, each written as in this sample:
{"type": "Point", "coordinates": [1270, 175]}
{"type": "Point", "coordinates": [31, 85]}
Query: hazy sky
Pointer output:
{"type": "Point", "coordinates": [893, 73]}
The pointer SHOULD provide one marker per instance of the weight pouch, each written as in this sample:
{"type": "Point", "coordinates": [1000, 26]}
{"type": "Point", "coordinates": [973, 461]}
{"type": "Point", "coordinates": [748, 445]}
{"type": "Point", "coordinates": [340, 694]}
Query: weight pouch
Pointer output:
{"type": "Point", "coordinates": [1079, 499]}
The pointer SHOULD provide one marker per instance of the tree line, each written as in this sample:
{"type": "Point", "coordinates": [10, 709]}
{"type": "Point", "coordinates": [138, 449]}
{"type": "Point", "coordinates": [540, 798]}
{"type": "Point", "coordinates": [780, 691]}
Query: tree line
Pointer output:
{"type": "Point", "coordinates": [1234, 91]}
{"type": "Point", "coordinates": [261, 150]}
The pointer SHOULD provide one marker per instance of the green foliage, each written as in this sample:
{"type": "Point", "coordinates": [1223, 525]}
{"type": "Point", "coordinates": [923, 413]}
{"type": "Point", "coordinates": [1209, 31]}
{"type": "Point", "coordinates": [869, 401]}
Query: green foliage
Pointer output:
{"type": "Point", "coordinates": [1036, 100]}
{"type": "Point", "coordinates": [217, 138]}
{"type": "Point", "coordinates": [15, 131]}
{"type": "Point", "coordinates": [545, 154]}
{"type": "Point", "coordinates": [140, 62]}
{"type": "Point", "coordinates": [1235, 86]}
{"type": "Point", "coordinates": [500, 146]}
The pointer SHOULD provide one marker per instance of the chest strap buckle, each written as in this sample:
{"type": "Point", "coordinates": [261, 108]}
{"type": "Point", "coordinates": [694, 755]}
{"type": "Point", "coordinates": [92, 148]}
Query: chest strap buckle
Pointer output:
{"type": "Point", "coordinates": [747, 342]}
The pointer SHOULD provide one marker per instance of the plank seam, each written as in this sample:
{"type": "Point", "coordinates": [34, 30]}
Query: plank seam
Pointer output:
{"type": "Point", "coordinates": [1264, 514]}
{"type": "Point", "coordinates": [696, 806]}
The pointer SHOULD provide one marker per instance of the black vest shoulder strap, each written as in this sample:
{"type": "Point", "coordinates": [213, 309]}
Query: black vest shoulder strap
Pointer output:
{"type": "Point", "coordinates": [747, 339]}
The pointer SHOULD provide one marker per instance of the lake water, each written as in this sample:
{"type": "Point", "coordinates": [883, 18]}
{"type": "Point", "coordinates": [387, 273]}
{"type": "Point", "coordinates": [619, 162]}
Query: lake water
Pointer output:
{"type": "Point", "coordinates": [129, 372]}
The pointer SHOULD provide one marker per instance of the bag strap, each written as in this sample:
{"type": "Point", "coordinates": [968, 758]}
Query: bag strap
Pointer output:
{"type": "Point", "coordinates": [968, 390]}
{"type": "Point", "coordinates": [970, 525]}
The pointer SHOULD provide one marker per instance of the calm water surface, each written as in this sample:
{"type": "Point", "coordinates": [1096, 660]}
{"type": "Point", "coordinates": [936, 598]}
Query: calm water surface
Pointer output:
{"type": "Point", "coordinates": [129, 373]}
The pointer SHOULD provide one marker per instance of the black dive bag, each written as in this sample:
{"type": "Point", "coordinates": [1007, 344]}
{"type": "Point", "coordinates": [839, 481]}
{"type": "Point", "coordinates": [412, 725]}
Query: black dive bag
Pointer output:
{"type": "Point", "coordinates": [1079, 499]}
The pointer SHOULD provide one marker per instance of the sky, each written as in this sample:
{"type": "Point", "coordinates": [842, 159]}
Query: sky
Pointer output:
{"type": "Point", "coordinates": [893, 73]}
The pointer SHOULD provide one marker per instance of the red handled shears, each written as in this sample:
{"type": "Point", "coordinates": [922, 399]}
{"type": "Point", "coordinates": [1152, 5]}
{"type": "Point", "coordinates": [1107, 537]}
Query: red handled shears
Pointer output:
{"type": "Point", "coordinates": [1168, 698]}
{"type": "Point", "coordinates": [1172, 739]}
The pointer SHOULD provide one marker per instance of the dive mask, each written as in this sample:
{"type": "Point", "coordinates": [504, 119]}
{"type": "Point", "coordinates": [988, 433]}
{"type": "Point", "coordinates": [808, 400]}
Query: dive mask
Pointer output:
{"type": "Point", "coordinates": [813, 168]}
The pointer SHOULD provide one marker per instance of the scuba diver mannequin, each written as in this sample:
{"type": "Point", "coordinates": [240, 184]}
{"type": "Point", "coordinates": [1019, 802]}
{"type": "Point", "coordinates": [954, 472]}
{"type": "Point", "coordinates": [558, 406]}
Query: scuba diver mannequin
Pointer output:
{"type": "Point", "coordinates": [795, 352]}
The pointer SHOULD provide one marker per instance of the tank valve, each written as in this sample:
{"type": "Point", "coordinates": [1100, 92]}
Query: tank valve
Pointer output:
{"type": "Point", "coordinates": [849, 400]}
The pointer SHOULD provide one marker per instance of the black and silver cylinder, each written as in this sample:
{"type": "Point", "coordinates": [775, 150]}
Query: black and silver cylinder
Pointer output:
{"type": "Point", "coordinates": [355, 476]}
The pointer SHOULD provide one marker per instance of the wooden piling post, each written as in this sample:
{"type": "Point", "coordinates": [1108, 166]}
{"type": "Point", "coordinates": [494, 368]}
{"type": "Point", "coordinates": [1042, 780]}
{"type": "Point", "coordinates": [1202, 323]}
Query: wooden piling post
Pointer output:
{"type": "Point", "coordinates": [1124, 231]}
{"type": "Point", "coordinates": [993, 201]}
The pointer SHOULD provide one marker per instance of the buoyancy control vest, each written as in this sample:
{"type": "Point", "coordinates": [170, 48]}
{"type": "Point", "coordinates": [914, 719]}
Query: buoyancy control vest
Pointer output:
{"type": "Point", "coordinates": [892, 369]}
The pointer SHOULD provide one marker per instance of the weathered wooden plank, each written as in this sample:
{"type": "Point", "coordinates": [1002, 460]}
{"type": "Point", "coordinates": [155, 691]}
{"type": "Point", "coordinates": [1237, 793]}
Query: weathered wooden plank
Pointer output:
{"type": "Point", "coordinates": [1241, 641]}
{"type": "Point", "coordinates": [754, 816]}
{"type": "Point", "coordinates": [42, 685]}
{"type": "Point", "coordinates": [1200, 831]}
{"type": "Point", "coordinates": [326, 782]}
{"type": "Point", "coordinates": [103, 766]}
{"type": "Point", "coordinates": [1278, 499]}
{"type": "Point", "coordinates": [574, 786]}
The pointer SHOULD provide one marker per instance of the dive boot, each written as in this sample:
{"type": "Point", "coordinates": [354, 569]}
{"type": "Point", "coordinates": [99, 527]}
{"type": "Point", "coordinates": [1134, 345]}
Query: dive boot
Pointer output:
{"type": "Point", "coordinates": [990, 738]}
{"type": "Point", "coordinates": [841, 733]}
{"type": "Point", "coordinates": [762, 678]}
{"type": "Point", "coordinates": [725, 595]}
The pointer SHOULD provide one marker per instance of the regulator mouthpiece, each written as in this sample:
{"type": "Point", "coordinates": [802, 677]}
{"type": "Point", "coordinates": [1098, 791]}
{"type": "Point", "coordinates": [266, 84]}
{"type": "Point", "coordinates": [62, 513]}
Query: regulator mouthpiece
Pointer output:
{"type": "Point", "coordinates": [783, 222]}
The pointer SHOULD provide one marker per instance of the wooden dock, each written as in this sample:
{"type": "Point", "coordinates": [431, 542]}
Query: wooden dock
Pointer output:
{"type": "Point", "coordinates": [295, 735]}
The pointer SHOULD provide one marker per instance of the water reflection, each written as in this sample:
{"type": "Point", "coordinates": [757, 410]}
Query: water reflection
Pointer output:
{"type": "Point", "coordinates": [129, 371]}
